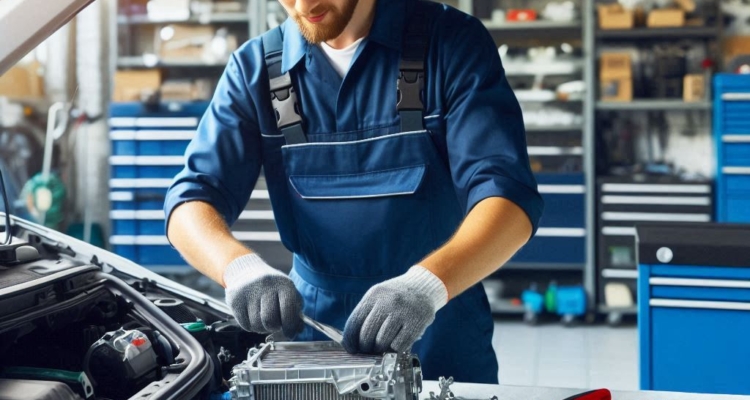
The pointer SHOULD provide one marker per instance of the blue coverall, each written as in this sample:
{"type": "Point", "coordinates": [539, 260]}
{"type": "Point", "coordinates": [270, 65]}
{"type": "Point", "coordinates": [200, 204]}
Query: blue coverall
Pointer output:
{"type": "Point", "coordinates": [362, 202]}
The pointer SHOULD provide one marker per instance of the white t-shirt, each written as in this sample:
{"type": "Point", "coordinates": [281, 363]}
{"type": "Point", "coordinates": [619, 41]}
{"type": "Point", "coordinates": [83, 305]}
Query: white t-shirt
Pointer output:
{"type": "Point", "coordinates": [341, 59]}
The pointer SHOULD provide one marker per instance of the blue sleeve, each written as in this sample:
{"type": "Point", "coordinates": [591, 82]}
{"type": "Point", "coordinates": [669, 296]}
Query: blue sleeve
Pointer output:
{"type": "Point", "coordinates": [223, 161]}
{"type": "Point", "coordinates": [485, 132]}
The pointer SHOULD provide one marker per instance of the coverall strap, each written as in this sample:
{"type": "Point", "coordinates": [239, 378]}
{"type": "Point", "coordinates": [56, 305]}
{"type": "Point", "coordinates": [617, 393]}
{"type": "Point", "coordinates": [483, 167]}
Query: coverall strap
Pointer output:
{"type": "Point", "coordinates": [283, 94]}
{"type": "Point", "coordinates": [411, 81]}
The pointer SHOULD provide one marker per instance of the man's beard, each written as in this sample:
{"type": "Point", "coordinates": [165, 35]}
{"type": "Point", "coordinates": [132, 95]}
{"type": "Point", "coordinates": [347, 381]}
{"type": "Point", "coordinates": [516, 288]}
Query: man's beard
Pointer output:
{"type": "Point", "coordinates": [317, 33]}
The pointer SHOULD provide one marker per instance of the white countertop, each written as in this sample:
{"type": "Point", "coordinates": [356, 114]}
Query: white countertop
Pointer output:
{"type": "Point", "coordinates": [484, 392]}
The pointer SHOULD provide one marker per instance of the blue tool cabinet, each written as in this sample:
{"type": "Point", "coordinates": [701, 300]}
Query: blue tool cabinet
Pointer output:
{"type": "Point", "coordinates": [148, 145]}
{"type": "Point", "coordinates": [694, 307]}
{"type": "Point", "coordinates": [732, 139]}
{"type": "Point", "coordinates": [561, 237]}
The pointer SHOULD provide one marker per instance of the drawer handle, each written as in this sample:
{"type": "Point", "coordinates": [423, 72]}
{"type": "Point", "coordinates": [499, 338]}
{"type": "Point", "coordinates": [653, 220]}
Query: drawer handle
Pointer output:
{"type": "Point", "coordinates": [155, 161]}
{"type": "Point", "coordinates": [710, 305]}
{"type": "Point", "coordinates": [554, 151]}
{"type": "Point", "coordinates": [735, 96]}
{"type": "Point", "coordinates": [736, 170]}
{"type": "Point", "coordinates": [715, 283]}
{"type": "Point", "coordinates": [257, 236]}
{"type": "Point", "coordinates": [561, 189]}
{"type": "Point", "coordinates": [561, 232]}
{"type": "Point", "coordinates": [654, 188]}
{"type": "Point", "coordinates": [735, 138]}
{"type": "Point", "coordinates": [660, 200]}
{"type": "Point", "coordinates": [120, 183]}
{"type": "Point", "coordinates": [620, 273]}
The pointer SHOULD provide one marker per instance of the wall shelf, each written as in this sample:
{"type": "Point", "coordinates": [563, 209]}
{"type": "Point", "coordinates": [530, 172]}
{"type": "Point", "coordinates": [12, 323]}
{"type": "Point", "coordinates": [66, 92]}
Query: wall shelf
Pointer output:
{"type": "Point", "coordinates": [139, 62]}
{"type": "Point", "coordinates": [531, 25]}
{"type": "Point", "coordinates": [658, 33]}
{"type": "Point", "coordinates": [220, 18]}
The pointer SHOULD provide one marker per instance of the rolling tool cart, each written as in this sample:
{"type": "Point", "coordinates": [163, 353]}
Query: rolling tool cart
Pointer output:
{"type": "Point", "coordinates": [694, 307]}
{"type": "Point", "coordinates": [625, 202]}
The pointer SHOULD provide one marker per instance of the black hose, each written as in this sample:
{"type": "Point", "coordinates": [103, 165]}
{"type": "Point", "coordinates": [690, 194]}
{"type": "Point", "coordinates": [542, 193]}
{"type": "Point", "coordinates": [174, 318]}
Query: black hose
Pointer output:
{"type": "Point", "coordinates": [8, 237]}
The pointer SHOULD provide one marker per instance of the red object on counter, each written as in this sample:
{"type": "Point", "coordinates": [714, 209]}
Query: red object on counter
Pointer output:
{"type": "Point", "coordinates": [599, 394]}
{"type": "Point", "coordinates": [521, 15]}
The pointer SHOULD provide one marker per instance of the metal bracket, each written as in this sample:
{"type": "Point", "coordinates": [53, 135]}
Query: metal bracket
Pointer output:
{"type": "Point", "coordinates": [446, 393]}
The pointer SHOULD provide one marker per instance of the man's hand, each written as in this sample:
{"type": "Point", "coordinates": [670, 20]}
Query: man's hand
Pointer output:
{"type": "Point", "coordinates": [394, 314]}
{"type": "Point", "coordinates": [262, 299]}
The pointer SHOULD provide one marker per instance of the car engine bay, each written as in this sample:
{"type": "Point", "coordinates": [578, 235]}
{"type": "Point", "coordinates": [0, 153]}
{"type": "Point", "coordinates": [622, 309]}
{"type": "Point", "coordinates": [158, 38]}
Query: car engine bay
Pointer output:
{"type": "Point", "coordinates": [83, 333]}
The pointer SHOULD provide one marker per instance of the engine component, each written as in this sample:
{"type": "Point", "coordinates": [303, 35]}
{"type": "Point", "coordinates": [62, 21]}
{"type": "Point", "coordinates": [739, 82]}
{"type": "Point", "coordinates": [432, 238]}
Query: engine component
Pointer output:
{"type": "Point", "coordinates": [324, 371]}
{"type": "Point", "coordinates": [20, 389]}
{"type": "Point", "coordinates": [176, 309]}
{"type": "Point", "coordinates": [77, 381]}
{"type": "Point", "coordinates": [118, 361]}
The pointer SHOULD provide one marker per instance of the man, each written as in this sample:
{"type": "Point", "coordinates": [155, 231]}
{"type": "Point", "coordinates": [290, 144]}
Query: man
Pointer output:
{"type": "Point", "coordinates": [393, 217]}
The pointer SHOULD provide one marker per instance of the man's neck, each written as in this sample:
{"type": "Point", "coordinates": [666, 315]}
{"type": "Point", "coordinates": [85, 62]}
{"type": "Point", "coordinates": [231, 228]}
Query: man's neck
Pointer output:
{"type": "Point", "coordinates": [358, 27]}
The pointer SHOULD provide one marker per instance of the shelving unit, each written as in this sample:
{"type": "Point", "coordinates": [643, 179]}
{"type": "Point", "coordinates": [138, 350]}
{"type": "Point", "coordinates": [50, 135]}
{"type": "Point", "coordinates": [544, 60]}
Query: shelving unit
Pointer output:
{"type": "Point", "coordinates": [616, 234]}
{"type": "Point", "coordinates": [148, 143]}
{"type": "Point", "coordinates": [557, 151]}
{"type": "Point", "coordinates": [656, 34]}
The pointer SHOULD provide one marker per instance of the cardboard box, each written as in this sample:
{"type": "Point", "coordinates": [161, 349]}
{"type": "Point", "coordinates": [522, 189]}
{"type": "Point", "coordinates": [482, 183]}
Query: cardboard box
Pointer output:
{"type": "Point", "coordinates": [615, 66]}
{"type": "Point", "coordinates": [183, 42]}
{"type": "Point", "coordinates": [22, 82]}
{"type": "Point", "coordinates": [666, 18]}
{"type": "Point", "coordinates": [615, 77]}
{"type": "Point", "coordinates": [694, 87]}
{"type": "Point", "coordinates": [615, 16]}
{"type": "Point", "coordinates": [687, 5]}
{"type": "Point", "coordinates": [734, 46]}
{"type": "Point", "coordinates": [620, 89]}
{"type": "Point", "coordinates": [132, 85]}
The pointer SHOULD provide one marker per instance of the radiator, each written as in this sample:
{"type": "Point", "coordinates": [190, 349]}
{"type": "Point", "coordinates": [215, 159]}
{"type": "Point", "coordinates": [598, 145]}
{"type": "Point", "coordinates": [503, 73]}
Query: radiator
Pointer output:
{"type": "Point", "coordinates": [324, 371]}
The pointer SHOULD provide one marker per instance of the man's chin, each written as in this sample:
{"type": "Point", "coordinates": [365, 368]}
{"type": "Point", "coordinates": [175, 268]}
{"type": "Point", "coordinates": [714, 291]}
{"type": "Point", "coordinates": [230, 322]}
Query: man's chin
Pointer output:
{"type": "Point", "coordinates": [315, 33]}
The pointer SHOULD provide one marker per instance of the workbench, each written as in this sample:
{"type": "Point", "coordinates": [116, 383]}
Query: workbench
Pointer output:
{"type": "Point", "coordinates": [503, 392]}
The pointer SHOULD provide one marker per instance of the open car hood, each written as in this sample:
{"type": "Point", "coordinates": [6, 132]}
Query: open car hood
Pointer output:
{"type": "Point", "coordinates": [26, 23]}
{"type": "Point", "coordinates": [107, 261]}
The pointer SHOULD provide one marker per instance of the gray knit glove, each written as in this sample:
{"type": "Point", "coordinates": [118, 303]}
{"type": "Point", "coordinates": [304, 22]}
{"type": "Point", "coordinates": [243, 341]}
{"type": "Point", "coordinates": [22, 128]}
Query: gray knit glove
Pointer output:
{"type": "Point", "coordinates": [394, 314]}
{"type": "Point", "coordinates": [262, 299]}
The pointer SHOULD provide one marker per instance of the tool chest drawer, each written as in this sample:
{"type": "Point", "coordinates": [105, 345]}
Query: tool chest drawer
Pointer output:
{"type": "Point", "coordinates": [150, 142]}
{"type": "Point", "coordinates": [694, 307]}
{"type": "Point", "coordinates": [137, 199]}
{"type": "Point", "coordinates": [146, 166]}
{"type": "Point", "coordinates": [735, 152]}
{"type": "Point", "coordinates": [554, 246]}
{"type": "Point", "coordinates": [561, 237]}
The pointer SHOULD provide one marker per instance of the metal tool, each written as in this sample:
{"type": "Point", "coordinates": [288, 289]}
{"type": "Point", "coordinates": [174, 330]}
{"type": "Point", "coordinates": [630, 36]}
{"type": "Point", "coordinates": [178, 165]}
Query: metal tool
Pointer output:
{"type": "Point", "coordinates": [330, 332]}
{"type": "Point", "coordinates": [445, 391]}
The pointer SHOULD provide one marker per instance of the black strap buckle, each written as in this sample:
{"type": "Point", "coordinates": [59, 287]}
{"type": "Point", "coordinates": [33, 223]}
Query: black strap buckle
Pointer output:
{"type": "Point", "coordinates": [284, 100]}
{"type": "Point", "coordinates": [410, 85]}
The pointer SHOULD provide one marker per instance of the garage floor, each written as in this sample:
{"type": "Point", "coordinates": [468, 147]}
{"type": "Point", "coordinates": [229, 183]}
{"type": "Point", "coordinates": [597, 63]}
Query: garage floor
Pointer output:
{"type": "Point", "coordinates": [578, 357]}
